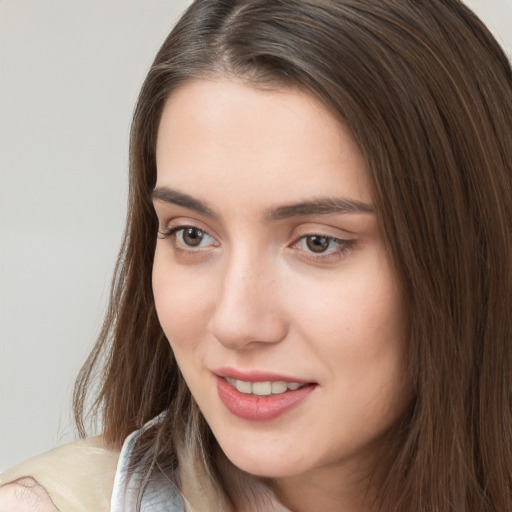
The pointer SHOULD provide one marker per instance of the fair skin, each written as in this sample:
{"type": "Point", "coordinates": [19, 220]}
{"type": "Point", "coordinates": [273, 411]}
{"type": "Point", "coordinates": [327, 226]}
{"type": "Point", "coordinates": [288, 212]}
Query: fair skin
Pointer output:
{"type": "Point", "coordinates": [25, 495]}
{"type": "Point", "coordinates": [250, 283]}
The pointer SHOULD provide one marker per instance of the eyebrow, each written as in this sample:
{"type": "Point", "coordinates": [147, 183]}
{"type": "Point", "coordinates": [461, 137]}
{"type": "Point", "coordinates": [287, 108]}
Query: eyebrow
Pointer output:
{"type": "Point", "coordinates": [318, 206]}
{"type": "Point", "coordinates": [171, 196]}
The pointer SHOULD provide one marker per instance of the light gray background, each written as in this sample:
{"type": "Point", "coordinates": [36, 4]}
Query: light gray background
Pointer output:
{"type": "Point", "coordinates": [70, 71]}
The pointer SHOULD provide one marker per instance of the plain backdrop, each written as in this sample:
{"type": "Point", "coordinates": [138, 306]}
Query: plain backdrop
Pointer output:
{"type": "Point", "coordinates": [70, 71]}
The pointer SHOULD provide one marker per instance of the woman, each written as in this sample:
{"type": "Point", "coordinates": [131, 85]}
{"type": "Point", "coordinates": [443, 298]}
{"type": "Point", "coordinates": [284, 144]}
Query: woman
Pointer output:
{"type": "Point", "coordinates": [311, 306]}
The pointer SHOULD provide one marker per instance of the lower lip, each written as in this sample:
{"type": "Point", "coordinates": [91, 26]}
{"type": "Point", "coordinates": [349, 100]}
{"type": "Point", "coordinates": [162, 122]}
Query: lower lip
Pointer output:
{"type": "Point", "coordinates": [260, 408]}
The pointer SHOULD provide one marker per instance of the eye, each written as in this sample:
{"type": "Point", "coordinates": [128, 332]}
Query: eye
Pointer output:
{"type": "Point", "coordinates": [192, 237]}
{"type": "Point", "coordinates": [321, 246]}
{"type": "Point", "coordinates": [318, 244]}
{"type": "Point", "coordinates": [188, 237]}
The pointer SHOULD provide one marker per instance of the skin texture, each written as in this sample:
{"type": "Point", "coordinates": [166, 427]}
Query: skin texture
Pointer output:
{"type": "Point", "coordinates": [25, 495]}
{"type": "Point", "coordinates": [254, 296]}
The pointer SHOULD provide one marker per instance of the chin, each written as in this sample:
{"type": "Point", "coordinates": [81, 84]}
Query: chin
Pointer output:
{"type": "Point", "coordinates": [269, 464]}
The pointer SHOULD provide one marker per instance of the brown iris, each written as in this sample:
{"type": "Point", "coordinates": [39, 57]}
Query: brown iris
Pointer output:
{"type": "Point", "coordinates": [317, 243]}
{"type": "Point", "coordinates": [192, 236]}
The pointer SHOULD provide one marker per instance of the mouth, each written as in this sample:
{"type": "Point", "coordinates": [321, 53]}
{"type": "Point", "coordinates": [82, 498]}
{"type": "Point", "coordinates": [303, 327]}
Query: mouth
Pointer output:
{"type": "Point", "coordinates": [260, 396]}
{"type": "Point", "coordinates": [263, 388]}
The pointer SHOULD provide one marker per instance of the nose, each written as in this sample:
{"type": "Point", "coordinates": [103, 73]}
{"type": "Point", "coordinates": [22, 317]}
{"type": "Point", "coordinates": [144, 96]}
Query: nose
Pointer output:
{"type": "Point", "coordinates": [248, 311]}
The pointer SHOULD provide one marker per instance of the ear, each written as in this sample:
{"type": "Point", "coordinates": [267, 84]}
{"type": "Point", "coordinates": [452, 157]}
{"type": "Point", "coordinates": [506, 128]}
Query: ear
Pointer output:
{"type": "Point", "coordinates": [25, 495]}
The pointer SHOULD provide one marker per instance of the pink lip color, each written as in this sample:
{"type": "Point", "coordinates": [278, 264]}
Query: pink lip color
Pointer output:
{"type": "Point", "coordinates": [259, 408]}
{"type": "Point", "coordinates": [256, 376]}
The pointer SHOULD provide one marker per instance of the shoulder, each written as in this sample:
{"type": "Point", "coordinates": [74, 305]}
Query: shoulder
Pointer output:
{"type": "Point", "coordinates": [74, 477]}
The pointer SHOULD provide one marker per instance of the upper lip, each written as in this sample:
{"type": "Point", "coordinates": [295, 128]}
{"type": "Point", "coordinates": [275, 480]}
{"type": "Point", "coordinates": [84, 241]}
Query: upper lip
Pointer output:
{"type": "Point", "coordinates": [257, 376]}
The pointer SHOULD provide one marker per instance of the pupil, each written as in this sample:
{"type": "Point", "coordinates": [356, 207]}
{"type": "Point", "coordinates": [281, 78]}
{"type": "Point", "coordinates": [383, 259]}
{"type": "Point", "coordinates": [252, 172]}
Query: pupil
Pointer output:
{"type": "Point", "coordinates": [317, 243]}
{"type": "Point", "coordinates": [192, 236]}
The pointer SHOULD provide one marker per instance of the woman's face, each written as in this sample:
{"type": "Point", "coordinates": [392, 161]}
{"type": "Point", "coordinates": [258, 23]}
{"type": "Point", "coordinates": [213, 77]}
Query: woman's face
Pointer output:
{"type": "Point", "coordinates": [272, 281]}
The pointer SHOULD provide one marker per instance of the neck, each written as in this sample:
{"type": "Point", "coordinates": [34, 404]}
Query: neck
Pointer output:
{"type": "Point", "coordinates": [247, 492]}
{"type": "Point", "coordinates": [328, 490]}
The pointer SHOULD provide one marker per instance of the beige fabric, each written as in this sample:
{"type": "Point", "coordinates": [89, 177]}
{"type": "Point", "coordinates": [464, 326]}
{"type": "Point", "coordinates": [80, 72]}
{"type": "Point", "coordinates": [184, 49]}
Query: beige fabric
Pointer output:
{"type": "Point", "coordinates": [78, 476]}
{"type": "Point", "coordinates": [248, 494]}
{"type": "Point", "coordinates": [197, 489]}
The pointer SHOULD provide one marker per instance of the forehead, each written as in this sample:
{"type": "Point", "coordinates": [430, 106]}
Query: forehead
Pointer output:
{"type": "Point", "coordinates": [225, 136]}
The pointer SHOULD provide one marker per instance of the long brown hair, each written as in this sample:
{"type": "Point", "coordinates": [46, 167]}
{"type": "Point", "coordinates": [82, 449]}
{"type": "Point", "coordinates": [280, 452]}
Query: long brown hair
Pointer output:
{"type": "Point", "coordinates": [427, 93]}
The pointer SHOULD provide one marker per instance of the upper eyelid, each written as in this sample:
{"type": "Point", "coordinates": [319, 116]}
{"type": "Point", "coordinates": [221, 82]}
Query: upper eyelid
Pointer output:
{"type": "Point", "coordinates": [168, 225]}
{"type": "Point", "coordinates": [338, 240]}
{"type": "Point", "coordinates": [298, 233]}
{"type": "Point", "coordinates": [327, 230]}
{"type": "Point", "coordinates": [173, 230]}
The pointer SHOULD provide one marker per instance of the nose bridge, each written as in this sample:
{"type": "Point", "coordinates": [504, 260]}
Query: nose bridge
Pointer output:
{"type": "Point", "coordinates": [246, 309]}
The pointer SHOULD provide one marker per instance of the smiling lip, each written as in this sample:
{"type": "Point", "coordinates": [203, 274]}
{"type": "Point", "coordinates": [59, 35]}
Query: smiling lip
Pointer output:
{"type": "Point", "coordinates": [259, 408]}
{"type": "Point", "coordinates": [256, 376]}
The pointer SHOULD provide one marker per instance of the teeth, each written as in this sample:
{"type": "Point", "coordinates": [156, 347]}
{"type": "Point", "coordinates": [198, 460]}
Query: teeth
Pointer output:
{"type": "Point", "coordinates": [263, 388]}
{"type": "Point", "coordinates": [279, 387]}
{"type": "Point", "coordinates": [244, 387]}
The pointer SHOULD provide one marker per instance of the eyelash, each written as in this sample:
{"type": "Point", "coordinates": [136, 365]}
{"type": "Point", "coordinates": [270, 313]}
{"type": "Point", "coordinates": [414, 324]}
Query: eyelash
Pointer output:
{"type": "Point", "coordinates": [344, 246]}
{"type": "Point", "coordinates": [172, 233]}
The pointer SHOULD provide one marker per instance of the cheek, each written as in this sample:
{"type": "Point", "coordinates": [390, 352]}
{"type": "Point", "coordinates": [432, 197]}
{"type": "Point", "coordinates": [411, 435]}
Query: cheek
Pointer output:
{"type": "Point", "coordinates": [182, 300]}
{"type": "Point", "coordinates": [353, 317]}
{"type": "Point", "coordinates": [357, 327]}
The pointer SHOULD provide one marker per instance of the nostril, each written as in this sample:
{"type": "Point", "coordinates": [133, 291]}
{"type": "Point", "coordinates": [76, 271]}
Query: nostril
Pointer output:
{"type": "Point", "coordinates": [245, 325]}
